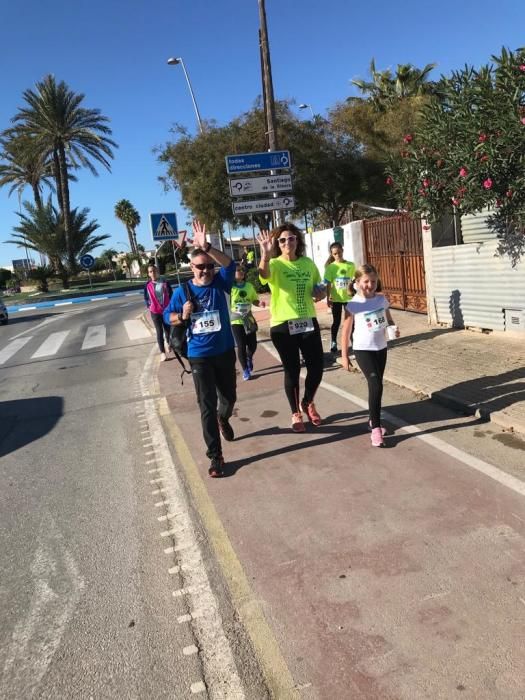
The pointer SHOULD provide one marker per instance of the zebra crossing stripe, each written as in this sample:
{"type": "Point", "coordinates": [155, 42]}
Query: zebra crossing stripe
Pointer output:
{"type": "Point", "coordinates": [95, 337]}
{"type": "Point", "coordinates": [13, 347]}
{"type": "Point", "coordinates": [136, 330]}
{"type": "Point", "coordinates": [51, 345]}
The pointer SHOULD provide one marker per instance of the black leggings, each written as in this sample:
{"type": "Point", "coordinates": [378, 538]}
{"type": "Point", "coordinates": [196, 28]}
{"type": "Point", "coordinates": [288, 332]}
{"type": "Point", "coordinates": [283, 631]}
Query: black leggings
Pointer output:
{"type": "Point", "coordinates": [289, 348]}
{"type": "Point", "coordinates": [246, 343]}
{"type": "Point", "coordinates": [162, 330]}
{"type": "Point", "coordinates": [372, 364]}
{"type": "Point", "coordinates": [337, 310]}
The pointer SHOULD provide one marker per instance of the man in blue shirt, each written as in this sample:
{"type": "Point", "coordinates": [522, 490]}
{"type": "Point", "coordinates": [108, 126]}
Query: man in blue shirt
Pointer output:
{"type": "Point", "coordinates": [211, 351]}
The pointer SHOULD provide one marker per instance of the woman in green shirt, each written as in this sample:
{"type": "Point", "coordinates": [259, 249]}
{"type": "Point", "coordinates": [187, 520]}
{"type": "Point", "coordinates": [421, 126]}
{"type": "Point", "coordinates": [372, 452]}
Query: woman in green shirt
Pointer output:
{"type": "Point", "coordinates": [337, 275]}
{"type": "Point", "coordinates": [244, 327]}
{"type": "Point", "coordinates": [295, 283]}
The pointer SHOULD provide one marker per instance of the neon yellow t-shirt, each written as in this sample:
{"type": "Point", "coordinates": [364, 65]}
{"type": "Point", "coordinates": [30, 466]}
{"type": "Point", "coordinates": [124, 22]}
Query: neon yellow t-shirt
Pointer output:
{"type": "Point", "coordinates": [291, 284]}
{"type": "Point", "coordinates": [242, 295]}
{"type": "Point", "coordinates": [339, 275]}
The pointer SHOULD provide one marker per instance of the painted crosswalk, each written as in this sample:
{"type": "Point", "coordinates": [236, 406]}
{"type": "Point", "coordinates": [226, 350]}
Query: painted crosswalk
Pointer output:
{"type": "Point", "coordinates": [93, 337]}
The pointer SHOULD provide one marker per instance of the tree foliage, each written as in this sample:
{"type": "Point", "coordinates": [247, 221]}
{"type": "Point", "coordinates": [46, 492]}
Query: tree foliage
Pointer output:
{"type": "Point", "coordinates": [468, 151]}
{"type": "Point", "coordinates": [328, 169]}
{"type": "Point", "coordinates": [24, 166]}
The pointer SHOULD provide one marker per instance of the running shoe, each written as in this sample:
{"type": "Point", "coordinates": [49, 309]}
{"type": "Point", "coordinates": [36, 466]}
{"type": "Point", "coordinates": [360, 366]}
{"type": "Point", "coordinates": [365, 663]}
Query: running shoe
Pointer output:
{"type": "Point", "coordinates": [249, 364]}
{"type": "Point", "coordinates": [383, 430]}
{"type": "Point", "coordinates": [216, 469]}
{"type": "Point", "coordinates": [311, 412]}
{"type": "Point", "coordinates": [297, 422]}
{"type": "Point", "coordinates": [246, 374]}
{"type": "Point", "coordinates": [226, 429]}
{"type": "Point", "coordinates": [333, 346]}
{"type": "Point", "coordinates": [377, 438]}
{"type": "Point", "coordinates": [163, 357]}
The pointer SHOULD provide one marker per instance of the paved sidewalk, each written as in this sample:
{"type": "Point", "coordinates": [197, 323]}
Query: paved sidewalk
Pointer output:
{"type": "Point", "coordinates": [477, 373]}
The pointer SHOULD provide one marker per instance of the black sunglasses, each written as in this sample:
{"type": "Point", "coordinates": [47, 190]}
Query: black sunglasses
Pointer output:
{"type": "Point", "coordinates": [204, 266]}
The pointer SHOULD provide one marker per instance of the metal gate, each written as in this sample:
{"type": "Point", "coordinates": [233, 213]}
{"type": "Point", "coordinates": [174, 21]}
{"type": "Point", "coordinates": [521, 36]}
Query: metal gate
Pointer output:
{"type": "Point", "coordinates": [394, 246]}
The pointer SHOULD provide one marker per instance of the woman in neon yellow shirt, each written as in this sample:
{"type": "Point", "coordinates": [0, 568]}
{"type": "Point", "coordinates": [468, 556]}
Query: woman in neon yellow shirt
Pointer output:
{"type": "Point", "coordinates": [244, 327]}
{"type": "Point", "coordinates": [295, 283]}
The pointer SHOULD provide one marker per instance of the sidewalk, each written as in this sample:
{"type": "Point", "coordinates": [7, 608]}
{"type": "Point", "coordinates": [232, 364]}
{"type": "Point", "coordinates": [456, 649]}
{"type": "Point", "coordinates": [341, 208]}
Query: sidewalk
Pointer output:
{"type": "Point", "coordinates": [476, 373]}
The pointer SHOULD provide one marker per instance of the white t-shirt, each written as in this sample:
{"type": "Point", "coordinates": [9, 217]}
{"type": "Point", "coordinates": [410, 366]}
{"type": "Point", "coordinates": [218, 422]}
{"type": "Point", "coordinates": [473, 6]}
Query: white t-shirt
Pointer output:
{"type": "Point", "coordinates": [369, 321]}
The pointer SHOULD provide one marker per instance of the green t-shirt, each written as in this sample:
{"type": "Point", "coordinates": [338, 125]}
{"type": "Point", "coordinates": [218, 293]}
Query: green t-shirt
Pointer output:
{"type": "Point", "coordinates": [239, 295]}
{"type": "Point", "coordinates": [291, 285]}
{"type": "Point", "coordinates": [339, 275]}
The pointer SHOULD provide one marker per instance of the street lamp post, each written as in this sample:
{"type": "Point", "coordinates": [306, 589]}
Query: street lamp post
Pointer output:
{"type": "Point", "coordinates": [175, 62]}
{"type": "Point", "coordinates": [305, 106]}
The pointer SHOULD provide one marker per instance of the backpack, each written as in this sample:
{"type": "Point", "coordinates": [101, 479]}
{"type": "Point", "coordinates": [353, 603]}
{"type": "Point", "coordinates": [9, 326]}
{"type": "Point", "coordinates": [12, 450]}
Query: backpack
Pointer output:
{"type": "Point", "coordinates": [178, 341]}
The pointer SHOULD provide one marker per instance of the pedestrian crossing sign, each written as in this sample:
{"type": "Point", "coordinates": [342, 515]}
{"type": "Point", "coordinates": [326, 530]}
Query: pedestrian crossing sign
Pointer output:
{"type": "Point", "coordinates": [164, 226]}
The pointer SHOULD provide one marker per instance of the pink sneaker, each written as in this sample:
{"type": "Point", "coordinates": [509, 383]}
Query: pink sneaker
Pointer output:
{"type": "Point", "coordinates": [383, 430]}
{"type": "Point", "coordinates": [377, 438]}
{"type": "Point", "coordinates": [311, 412]}
{"type": "Point", "coordinates": [297, 423]}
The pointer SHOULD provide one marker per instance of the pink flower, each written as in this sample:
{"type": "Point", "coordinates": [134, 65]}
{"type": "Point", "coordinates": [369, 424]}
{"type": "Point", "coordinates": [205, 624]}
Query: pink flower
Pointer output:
{"type": "Point", "coordinates": [455, 201]}
{"type": "Point", "coordinates": [426, 183]}
{"type": "Point", "coordinates": [522, 120]}
{"type": "Point", "coordinates": [463, 172]}
{"type": "Point", "coordinates": [482, 138]}
{"type": "Point", "coordinates": [487, 184]}
{"type": "Point", "coordinates": [408, 138]}
{"type": "Point", "coordinates": [498, 202]}
{"type": "Point", "coordinates": [509, 194]}
{"type": "Point", "coordinates": [522, 68]}
{"type": "Point", "coordinates": [389, 181]}
{"type": "Point", "coordinates": [422, 192]}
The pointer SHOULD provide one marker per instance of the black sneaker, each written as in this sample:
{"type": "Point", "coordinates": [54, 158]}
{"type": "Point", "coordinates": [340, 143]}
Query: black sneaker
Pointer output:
{"type": "Point", "coordinates": [226, 429]}
{"type": "Point", "coordinates": [216, 469]}
{"type": "Point", "coordinates": [333, 347]}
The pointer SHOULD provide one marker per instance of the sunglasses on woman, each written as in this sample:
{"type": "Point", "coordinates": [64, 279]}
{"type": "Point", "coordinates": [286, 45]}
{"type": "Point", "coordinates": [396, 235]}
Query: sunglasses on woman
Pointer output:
{"type": "Point", "coordinates": [289, 239]}
{"type": "Point", "coordinates": [204, 266]}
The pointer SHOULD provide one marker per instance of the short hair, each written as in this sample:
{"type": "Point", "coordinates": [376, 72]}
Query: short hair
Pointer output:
{"type": "Point", "coordinates": [196, 252]}
{"type": "Point", "coordinates": [291, 228]}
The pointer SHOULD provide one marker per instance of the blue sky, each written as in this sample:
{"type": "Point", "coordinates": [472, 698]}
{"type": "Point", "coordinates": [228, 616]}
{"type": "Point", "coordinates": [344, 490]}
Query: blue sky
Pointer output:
{"type": "Point", "coordinates": [115, 53]}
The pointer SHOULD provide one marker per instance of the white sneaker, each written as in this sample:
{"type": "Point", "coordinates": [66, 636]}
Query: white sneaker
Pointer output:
{"type": "Point", "coordinates": [163, 357]}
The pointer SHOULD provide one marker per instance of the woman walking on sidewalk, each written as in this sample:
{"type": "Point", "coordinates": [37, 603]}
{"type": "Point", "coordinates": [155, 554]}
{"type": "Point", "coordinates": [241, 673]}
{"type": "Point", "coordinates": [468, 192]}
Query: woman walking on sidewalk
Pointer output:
{"type": "Point", "coordinates": [295, 283]}
{"type": "Point", "coordinates": [368, 315]}
{"type": "Point", "coordinates": [157, 295]}
{"type": "Point", "coordinates": [337, 275]}
{"type": "Point", "coordinates": [244, 326]}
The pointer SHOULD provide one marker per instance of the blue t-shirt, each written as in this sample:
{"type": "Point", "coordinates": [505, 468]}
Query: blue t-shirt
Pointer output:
{"type": "Point", "coordinates": [211, 298]}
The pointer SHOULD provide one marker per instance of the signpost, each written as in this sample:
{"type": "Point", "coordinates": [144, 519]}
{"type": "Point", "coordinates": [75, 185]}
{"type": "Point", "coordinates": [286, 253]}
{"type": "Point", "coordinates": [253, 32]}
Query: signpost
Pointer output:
{"type": "Point", "coordinates": [87, 261]}
{"type": "Point", "coordinates": [260, 185]}
{"type": "Point", "coordinates": [252, 206]}
{"type": "Point", "coordinates": [164, 226]}
{"type": "Point", "coordinates": [252, 162]}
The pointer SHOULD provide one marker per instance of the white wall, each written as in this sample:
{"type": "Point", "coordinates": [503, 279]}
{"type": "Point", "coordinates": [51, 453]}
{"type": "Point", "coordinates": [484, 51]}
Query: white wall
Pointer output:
{"type": "Point", "coordinates": [318, 244]}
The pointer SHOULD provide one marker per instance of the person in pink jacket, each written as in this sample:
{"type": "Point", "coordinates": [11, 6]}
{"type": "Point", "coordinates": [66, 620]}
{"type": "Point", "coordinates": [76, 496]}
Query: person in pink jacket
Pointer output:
{"type": "Point", "coordinates": [157, 295]}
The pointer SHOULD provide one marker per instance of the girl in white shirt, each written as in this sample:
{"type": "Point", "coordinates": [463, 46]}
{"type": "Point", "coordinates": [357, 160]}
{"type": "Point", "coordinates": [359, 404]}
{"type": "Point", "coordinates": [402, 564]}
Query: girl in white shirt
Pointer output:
{"type": "Point", "coordinates": [368, 314]}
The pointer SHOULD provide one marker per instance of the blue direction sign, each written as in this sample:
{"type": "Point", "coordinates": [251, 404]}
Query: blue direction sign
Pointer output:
{"type": "Point", "coordinates": [164, 226]}
{"type": "Point", "coordinates": [87, 261]}
{"type": "Point", "coordinates": [251, 162]}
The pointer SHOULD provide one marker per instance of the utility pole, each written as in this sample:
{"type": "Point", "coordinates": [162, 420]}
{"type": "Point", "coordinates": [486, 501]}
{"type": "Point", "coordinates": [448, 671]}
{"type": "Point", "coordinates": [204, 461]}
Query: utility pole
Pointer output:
{"type": "Point", "coordinates": [269, 102]}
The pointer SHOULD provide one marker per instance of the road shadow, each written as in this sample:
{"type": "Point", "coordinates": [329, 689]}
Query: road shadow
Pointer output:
{"type": "Point", "coordinates": [23, 421]}
{"type": "Point", "coordinates": [13, 320]}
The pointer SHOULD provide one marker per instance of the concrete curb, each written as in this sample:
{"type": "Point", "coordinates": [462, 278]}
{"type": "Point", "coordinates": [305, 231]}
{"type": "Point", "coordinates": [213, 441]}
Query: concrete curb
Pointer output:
{"type": "Point", "coordinates": [64, 301]}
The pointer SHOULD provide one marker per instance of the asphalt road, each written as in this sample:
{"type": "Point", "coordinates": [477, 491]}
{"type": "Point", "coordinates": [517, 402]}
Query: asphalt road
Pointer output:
{"type": "Point", "coordinates": [87, 603]}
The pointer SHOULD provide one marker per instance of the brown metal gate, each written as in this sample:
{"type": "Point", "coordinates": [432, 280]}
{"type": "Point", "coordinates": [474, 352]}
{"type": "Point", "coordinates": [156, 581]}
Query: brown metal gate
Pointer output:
{"type": "Point", "coordinates": [394, 246]}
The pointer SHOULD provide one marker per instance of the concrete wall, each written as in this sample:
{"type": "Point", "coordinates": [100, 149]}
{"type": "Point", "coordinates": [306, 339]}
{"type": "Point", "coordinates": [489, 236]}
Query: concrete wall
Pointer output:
{"type": "Point", "coordinates": [318, 244]}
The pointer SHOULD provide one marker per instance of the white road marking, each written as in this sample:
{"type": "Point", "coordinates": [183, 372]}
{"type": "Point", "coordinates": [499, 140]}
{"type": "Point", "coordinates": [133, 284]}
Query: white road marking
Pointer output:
{"type": "Point", "coordinates": [51, 345]}
{"type": "Point", "coordinates": [13, 347]}
{"type": "Point", "coordinates": [469, 460]}
{"type": "Point", "coordinates": [27, 308]}
{"type": "Point", "coordinates": [174, 570]}
{"type": "Point", "coordinates": [198, 687]}
{"type": "Point", "coordinates": [183, 618]}
{"type": "Point", "coordinates": [95, 337]}
{"type": "Point", "coordinates": [189, 650]}
{"type": "Point", "coordinates": [136, 329]}
{"type": "Point", "coordinates": [168, 533]}
{"type": "Point", "coordinates": [63, 303]}
{"type": "Point", "coordinates": [157, 491]}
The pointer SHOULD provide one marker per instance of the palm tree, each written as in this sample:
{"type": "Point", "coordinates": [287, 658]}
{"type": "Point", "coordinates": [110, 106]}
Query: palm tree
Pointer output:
{"type": "Point", "coordinates": [126, 212]}
{"type": "Point", "coordinates": [67, 133]}
{"type": "Point", "coordinates": [42, 229]}
{"type": "Point", "coordinates": [386, 87]}
{"type": "Point", "coordinates": [107, 259]}
{"type": "Point", "coordinates": [23, 166]}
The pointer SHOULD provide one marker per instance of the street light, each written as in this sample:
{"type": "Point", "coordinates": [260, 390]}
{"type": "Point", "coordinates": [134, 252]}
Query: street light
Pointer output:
{"type": "Point", "coordinates": [305, 106]}
{"type": "Point", "coordinates": [175, 62]}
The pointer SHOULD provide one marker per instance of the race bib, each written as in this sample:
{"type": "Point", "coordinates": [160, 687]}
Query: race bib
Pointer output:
{"type": "Point", "coordinates": [243, 308]}
{"type": "Point", "coordinates": [341, 283]}
{"type": "Point", "coordinates": [376, 320]}
{"type": "Point", "coordinates": [205, 322]}
{"type": "Point", "coordinates": [300, 325]}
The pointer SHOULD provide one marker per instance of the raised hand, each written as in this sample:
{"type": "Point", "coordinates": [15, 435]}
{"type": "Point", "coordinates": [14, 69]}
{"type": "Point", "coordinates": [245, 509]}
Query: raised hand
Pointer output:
{"type": "Point", "coordinates": [199, 234]}
{"type": "Point", "coordinates": [265, 242]}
